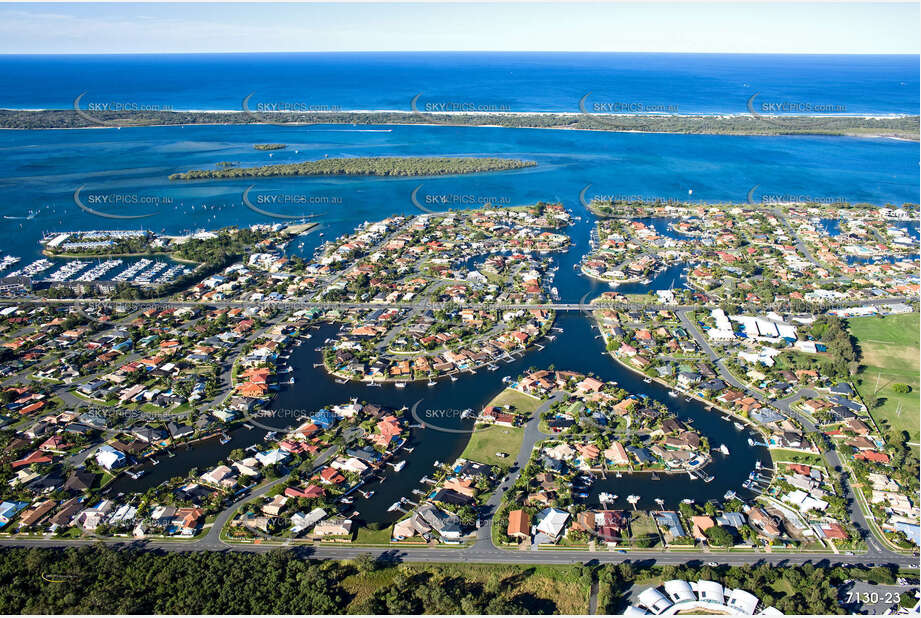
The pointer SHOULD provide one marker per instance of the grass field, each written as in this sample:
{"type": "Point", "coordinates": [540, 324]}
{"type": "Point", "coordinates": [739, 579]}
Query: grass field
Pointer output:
{"type": "Point", "coordinates": [889, 348]}
{"type": "Point", "coordinates": [643, 525]}
{"type": "Point", "coordinates": [811, 459]}
{"type": "Point", "coordinates": [487, 441]}
{"type": "Point", "coordinates": [518, 401]}
{"type": "Point", "coordinates": [373, 537]}
{"type": "Point", "coordinates": [546, 589]}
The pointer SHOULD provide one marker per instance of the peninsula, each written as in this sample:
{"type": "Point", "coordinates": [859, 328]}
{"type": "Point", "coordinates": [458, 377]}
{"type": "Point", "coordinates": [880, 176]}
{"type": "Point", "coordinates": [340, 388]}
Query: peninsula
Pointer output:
{"type": "Point", "coordinates": [901, 127]}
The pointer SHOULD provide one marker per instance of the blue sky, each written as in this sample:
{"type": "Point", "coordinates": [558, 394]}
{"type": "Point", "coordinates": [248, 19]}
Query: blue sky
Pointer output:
{"type": "Point", "coordinates": [742, 27]}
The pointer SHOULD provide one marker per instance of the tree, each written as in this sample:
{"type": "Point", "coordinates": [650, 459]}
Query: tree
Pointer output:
{"type": "Point", "coordinates": [366, 563]}
{"type": "Point", "coordinates": [719, 536]}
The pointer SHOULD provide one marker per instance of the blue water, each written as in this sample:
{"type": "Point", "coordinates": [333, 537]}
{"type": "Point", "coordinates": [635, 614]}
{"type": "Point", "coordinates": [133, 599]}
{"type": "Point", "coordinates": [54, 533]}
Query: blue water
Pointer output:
{"type": "Point", "coordinates": [688, 83]}
{"type": "Point", "coordinates": [912, 228]}
{"type": "Point", "coordinates": [40, 170]}
{"type": "Point", "coordinates": [832, 227]}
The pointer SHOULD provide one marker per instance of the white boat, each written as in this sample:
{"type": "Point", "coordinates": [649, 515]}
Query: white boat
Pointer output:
{"type": "Point", "coordinates": [723, 449]}
{"type": "Point", "coordinates": [647, 380]}
{"type": "Point", "coordinates": [672, 394]}
{"type": "Point", "coordinates": [738, 425]}
{"type": "Point", "coordinates": [399, 466]}
{"type": "Point", "coordinates": [688, 501]}
{"type": "Point", "coordinates": [432, 382]}
{"type": "Point", "coordinates": [400, 384]}
{"type": "Point", "coordinates": [604, 497]}
{"type": "Point", "coordinates": [453, 378]}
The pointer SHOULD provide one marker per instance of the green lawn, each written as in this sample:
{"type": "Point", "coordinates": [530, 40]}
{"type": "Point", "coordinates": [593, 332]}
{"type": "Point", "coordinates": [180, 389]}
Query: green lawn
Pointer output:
{"type": "Point", "coordinates": [780, 454]}
{"type": "Point", "coordinates": [643, 525]}
{"type": "Point", "coordinates": [373, 537]}
{"type": "Point", "coordinates": [889, 348]}
{"type": "Point", "coordinates": [518, 401]}
{"type": "Point", "coordinates": [487, 441]}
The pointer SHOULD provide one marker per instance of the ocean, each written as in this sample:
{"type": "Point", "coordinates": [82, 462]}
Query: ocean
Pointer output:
{"type": "Point", "coordinates": [516, 82]}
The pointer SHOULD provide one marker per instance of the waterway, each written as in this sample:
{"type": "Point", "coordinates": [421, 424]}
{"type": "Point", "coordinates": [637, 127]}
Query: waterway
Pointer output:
{"type": "Point", "coordinates": [576, 349]}
{"type": "Point", "coordinates": [42, 169]}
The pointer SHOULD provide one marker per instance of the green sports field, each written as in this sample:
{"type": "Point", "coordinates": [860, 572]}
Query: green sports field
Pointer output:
{"type": "Point", "coordinates": [889, 348]}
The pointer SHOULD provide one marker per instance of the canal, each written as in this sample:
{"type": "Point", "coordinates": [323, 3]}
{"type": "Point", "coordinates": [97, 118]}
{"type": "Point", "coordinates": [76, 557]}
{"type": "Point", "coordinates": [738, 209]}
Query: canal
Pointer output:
{"type": "Point", "coordinates": [576, 349]}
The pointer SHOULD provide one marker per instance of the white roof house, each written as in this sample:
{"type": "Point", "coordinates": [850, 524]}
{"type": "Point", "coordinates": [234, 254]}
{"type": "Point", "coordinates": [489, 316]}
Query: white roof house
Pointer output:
{"type": "Point", "coordinates": [654, 600]}
{"type": "Point", "coordinates": [697, 597]}
{"type": "Point", "coordinates": [551, 521]}
{"type": "Point", "coordinates": [711, 592]}
{"type": "Point", "coordinates": [679, 590]}
{"type": "Point", "coordinates": [804, 501]}
{"type": "Point", "coordinates": [723, 330]}
{"type": "Point", "coordinates": [350, 464]}
{"type": "Point", "coordinates": [273, 456]}
{"type": "Point", "coordinates": [743, 601]}
{"type": "Point", "coordinates": [109, 458]}
{"type": "Point", "coordinates": [301, 522]}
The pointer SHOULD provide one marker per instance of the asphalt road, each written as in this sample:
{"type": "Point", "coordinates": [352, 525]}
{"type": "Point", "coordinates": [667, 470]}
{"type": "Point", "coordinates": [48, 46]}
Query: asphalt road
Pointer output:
{"type": "Point", "coordinates": [491, 555]}
{"type": "Point", "coordinates": [307, 304]}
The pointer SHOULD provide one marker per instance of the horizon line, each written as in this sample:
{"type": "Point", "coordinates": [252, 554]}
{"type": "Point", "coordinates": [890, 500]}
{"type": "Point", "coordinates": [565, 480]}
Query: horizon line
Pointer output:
{"type": "Point", "coordinates": [445, 51]}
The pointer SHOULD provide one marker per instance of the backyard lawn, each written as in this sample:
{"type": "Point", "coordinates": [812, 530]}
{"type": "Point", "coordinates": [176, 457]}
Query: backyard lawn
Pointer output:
{"type": "Point", "coordinates": [889, 355]}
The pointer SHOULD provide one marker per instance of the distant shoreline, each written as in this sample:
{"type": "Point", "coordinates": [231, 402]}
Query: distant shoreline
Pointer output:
{"type": "Point", "coordinates": [895, 126]}
{"type": "Point", "coordinates": [495, 113]}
